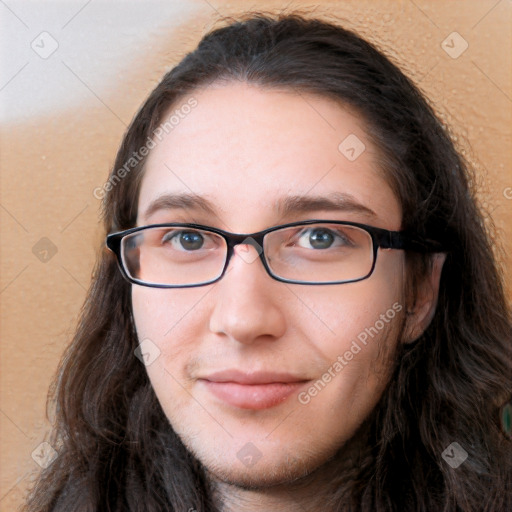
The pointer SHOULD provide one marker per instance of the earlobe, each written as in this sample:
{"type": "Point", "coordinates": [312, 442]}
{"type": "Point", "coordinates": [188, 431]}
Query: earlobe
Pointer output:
{"type": "Point", "coordinates": [422, 312]}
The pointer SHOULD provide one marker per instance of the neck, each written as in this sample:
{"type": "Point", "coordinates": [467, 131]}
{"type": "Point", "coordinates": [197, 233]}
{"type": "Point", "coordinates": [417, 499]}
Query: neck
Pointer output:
{"type": "Point", "coordinates": [325, 489]}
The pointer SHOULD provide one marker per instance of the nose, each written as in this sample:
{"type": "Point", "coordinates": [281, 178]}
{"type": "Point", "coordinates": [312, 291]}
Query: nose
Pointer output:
{"type": "Point", "coordinates": [247, 305]}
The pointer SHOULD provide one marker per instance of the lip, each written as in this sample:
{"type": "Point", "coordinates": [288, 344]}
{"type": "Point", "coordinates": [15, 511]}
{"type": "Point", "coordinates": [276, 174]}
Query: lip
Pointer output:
{"type": "Point", "coordinates": [257, 390]}
{"type": "Point", "coordinates": [259, 377]}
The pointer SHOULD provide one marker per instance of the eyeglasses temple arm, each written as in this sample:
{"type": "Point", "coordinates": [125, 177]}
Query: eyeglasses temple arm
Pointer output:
{"type": "Point", "coordinates": [398, 240]}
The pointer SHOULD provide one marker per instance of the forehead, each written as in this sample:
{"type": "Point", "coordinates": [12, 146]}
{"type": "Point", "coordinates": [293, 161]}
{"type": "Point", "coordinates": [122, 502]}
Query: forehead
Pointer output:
{"type": "Point", "coordinates": [246, 148]}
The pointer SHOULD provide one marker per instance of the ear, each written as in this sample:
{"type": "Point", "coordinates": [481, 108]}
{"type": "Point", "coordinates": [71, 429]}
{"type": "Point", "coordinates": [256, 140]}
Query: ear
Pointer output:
{"type": "Point", "coordinates": [423, 309]}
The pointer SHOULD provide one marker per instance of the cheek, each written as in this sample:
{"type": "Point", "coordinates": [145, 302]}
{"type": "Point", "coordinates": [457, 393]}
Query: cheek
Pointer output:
{"type": "Point", "coordinates": [171, 325]}
{"type": "Point", "coordinates": [158, 312]}
{"type": "Point", "coordinates": [340, 313]}
{"type": "Point", "coordinates": [160, 320]}
{"type": "Point", "coordinates": [356, 332]}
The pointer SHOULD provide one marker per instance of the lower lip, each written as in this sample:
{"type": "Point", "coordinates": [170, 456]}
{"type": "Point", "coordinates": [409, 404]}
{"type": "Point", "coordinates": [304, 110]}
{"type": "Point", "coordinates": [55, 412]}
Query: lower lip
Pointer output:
{"type": "Point", "coordinates": [253, 396]}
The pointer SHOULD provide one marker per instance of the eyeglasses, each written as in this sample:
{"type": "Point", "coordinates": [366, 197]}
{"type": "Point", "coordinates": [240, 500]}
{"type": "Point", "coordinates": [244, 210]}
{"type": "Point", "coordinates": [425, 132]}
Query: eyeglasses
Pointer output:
{"type": "Point", "coordinates": [319, 252]}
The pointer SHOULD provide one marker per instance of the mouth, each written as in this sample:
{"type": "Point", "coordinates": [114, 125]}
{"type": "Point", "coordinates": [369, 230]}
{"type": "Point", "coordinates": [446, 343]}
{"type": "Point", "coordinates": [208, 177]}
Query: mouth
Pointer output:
{"type": "Point", "coordinates": [260, 390]}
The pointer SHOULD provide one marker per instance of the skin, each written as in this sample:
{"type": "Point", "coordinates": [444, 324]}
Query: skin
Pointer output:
{"type": "Point", "coordinates": [243, 147]}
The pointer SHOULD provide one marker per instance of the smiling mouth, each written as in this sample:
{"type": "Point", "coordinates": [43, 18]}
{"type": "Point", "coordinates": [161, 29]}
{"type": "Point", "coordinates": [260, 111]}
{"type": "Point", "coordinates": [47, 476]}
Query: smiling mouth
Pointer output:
{"type": "Point", "coordinates": [252, 391]}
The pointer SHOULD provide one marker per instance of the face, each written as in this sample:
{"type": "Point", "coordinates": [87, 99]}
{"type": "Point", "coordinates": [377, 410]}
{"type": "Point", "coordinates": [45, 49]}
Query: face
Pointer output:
{"type": "Point", "coordinates": [264, 380]}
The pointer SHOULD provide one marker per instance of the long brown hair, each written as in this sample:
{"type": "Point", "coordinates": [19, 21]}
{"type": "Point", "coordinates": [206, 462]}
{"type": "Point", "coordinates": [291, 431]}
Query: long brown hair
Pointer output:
{"type": "Point", "coordinates": [117, 450]}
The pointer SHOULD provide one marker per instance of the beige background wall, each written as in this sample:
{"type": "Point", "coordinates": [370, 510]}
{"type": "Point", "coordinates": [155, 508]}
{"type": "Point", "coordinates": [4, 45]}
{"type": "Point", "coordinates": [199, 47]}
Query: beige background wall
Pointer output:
{"type": "Point", "coordinates": [63, 116]}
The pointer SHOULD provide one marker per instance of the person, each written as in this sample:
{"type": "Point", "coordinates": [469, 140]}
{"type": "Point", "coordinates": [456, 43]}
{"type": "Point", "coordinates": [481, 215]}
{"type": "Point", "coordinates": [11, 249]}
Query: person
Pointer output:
{"type": "Point", "coordinates": [298, 306]}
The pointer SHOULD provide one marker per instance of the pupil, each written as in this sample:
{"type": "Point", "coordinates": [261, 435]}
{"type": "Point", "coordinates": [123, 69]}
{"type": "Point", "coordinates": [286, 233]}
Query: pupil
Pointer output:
{"type": "Point", "coordinates": [191, 240]}
{"type": "Point", "coordinates": [321, 238]}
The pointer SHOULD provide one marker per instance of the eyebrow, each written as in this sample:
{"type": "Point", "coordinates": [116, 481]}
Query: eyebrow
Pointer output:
{"type": "Point", "coordinates": [334, 202]}
{"type": "Point", "coordinates": [182, 201]}
{"type": "Point", "coordinates": [284, 206]}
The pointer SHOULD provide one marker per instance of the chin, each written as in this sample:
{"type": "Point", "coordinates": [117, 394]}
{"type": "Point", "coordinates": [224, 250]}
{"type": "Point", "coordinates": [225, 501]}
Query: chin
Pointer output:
{"type": "Point", "coordinates": [263, 477]}
{"type": "Point", "coordinates": [273, 468]}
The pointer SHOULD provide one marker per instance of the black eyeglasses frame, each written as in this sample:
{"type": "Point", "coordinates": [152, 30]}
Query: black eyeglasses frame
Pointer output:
{"type": "Point", "coordinates": [381, 238]}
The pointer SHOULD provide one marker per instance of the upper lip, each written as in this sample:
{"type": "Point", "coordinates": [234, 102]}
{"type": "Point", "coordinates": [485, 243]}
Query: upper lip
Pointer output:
{"type": "Point", "coordinates": [261, 377]}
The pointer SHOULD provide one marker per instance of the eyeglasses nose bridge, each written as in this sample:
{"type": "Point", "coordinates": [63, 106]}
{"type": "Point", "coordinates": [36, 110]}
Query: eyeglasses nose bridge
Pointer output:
{"type": "Point", "coordinates": [248, 256]}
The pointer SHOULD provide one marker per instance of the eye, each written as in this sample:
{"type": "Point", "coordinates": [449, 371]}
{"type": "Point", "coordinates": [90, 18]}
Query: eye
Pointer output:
{"type": "Point", "coordinates": [188, 240]}
{"type": "Point", "coordinates": [324, 238]}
